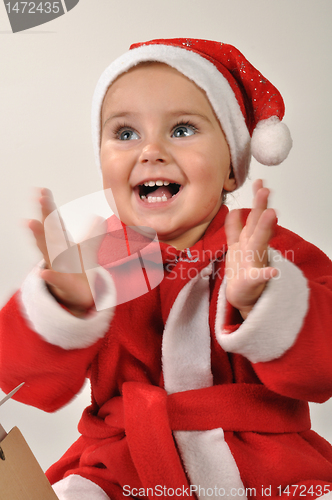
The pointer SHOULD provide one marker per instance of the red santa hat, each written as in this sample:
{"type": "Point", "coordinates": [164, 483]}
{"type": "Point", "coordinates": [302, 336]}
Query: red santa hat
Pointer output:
{"type": "Point", "coordinates": [248, 106]}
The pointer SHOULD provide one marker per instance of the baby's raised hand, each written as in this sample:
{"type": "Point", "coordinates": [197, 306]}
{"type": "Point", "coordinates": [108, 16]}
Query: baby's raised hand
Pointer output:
{"type": "Point", "coordinates": [247, 270]}
{"type": "Point", "coordinates": [69, 288]}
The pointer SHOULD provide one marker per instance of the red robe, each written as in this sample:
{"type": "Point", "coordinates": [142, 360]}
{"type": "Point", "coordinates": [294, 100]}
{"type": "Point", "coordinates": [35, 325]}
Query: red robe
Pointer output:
{"type": "Point", "coordinates": [183, 391]}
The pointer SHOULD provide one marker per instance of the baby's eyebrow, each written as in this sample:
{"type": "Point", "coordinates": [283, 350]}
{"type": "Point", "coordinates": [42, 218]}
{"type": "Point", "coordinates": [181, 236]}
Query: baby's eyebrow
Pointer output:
{"type": "Point", "coordinates": [121, 114]}
{"type": "Point", "coordinates": [186, 112]}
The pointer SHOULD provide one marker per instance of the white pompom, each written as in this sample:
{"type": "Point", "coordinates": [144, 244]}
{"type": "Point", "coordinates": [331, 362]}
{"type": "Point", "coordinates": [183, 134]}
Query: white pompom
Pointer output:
{"type": "Point", "coordinates": [271, 141]}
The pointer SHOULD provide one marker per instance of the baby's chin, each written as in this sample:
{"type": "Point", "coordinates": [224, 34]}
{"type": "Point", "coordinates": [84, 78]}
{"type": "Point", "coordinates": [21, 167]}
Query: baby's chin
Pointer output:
{"type": "Point", "coordinates": [182, 239]}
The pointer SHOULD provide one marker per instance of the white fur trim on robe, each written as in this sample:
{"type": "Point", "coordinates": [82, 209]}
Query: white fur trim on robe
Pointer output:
{"type": "Point", "coordinates": [213, 471]}
{"type": "Point", "coordinates": [272, 326]}
{"type": "Point", "coordinates": [186, 339]}
{"type": "Point", "coordinates": [56, 325]}
{"type": "Point", "coordinates": [186, 357]}
{"type": "Point", "coordinates": [78, 488]}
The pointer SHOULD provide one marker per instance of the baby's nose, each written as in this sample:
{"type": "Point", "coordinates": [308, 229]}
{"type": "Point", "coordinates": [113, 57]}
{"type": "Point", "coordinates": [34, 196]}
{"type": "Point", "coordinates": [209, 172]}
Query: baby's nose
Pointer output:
{"type": "Point", "coordinates": [154, 152]}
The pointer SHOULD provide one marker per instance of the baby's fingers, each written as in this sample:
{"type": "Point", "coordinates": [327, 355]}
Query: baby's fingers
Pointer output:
{"type": "Point", "coordinates": [260, 204]}
{"type": "Point", "coordinates": [262, 234]}
{"type": "Point", "coordinates": [46, 201]}
{"type": "Point", "coordinates": [233, 227]}
{"type": "Point", "coordinates": [37, 229]}
{"type": "Point", "coordinates": [52, 219]}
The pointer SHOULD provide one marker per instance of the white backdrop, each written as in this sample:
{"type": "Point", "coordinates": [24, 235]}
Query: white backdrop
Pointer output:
{"type": "Point", "coordinates": [47, 76]}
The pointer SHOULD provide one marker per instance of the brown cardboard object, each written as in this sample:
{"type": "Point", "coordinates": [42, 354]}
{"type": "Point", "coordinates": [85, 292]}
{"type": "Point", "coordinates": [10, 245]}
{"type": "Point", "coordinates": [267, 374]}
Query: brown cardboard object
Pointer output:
{"type": "Point", "coordinates": [21, 477]}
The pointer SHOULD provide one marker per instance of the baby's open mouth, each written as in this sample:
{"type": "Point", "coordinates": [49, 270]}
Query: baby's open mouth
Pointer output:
{"type": "Point", "coordinates": [158, 191]}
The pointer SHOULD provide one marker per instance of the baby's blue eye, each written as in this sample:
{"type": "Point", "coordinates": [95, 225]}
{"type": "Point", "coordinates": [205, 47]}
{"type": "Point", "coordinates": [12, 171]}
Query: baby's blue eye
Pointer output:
{"type": "Point", "coordinates": [183, 131]}
{"type": "Point", "coordinates": [127, 135]}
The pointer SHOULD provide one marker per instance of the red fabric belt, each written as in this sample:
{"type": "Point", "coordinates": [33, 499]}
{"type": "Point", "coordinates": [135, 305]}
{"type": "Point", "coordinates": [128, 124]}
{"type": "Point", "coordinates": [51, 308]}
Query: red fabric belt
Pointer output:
{"type": "Point", "coordinates": [238, 408]}
{"type": "Point", "coordinates": [233, 407]}
{"type": "Point", "coordinates": [147, 416]}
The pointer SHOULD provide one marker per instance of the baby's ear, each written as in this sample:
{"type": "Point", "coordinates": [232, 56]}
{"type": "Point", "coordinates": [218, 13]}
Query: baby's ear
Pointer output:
{"type": "Point", "coordinates": [230, 181]}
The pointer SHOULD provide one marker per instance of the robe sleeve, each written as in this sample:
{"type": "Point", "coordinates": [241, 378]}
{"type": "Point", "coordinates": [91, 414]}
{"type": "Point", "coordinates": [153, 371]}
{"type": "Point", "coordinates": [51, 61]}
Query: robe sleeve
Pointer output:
{"type": "Point", "coordinates": [288, 334]}
{"type": "Point", "coordinates": [46, 347]}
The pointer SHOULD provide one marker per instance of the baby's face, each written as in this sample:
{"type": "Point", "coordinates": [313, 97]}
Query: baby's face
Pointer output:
{"type": "Point", "coordinates": [163, 153]}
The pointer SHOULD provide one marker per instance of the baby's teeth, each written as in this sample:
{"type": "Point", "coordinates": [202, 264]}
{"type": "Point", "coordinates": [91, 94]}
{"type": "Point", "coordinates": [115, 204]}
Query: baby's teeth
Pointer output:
{"type": "Point", "coordinates": [155, 199]}
{"type": "Point", "coordinates": [157, 183]}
